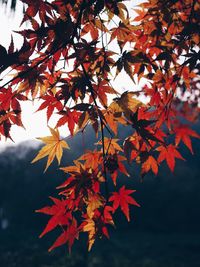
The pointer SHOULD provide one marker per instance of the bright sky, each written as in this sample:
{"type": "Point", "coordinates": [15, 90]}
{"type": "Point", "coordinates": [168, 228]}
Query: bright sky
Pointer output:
{"type": "Point", "coordinates": [35, 123]}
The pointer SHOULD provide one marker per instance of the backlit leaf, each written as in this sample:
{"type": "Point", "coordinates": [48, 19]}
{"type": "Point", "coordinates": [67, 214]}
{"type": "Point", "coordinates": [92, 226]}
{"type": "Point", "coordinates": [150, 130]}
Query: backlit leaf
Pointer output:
{"type": "Point", "coordinates": [53, 148]}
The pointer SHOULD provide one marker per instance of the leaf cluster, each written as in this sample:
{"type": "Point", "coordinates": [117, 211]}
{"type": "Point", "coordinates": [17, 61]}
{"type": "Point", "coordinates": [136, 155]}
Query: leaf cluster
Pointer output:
{"type": "Point", "coordinates": [71, 53]}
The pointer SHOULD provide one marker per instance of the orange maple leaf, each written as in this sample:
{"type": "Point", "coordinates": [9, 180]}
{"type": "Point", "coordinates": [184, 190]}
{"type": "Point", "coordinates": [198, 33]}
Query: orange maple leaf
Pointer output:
{"type": "Point", "coordinates": [150, 164]}
{"type": "Point", "coordinates": [54, 147]}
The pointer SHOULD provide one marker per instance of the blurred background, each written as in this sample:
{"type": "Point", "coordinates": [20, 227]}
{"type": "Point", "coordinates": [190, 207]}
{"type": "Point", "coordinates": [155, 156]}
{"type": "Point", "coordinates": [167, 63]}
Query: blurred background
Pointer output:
{"type": "Point", "coordinates": [164, 232]}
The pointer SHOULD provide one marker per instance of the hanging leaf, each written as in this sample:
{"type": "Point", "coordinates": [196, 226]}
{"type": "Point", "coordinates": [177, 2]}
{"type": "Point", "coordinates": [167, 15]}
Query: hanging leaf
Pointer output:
{"type": "Point", "coordinates": [53, 148]}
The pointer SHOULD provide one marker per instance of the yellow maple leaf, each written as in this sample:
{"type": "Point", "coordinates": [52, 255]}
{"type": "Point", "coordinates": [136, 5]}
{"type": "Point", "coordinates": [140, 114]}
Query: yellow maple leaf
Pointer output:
{"type": "Point", "coordinates": [54, 147]}
{"type": "Point", "coordinates": [94, 202]}
{"type": "Point", "coordinates": [127, 100]}
{"type": "Point", "coordinates": [90, 228]}
{"type": "Point", "coordinates": [111, 145]}
{"type": "Point", "coordinates": [125, 103]}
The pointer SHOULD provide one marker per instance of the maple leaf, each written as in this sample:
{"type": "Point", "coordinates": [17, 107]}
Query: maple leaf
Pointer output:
{"type": "Point", "coordinates": [58, 213]}
{"type": "Point", "coordinates": [92, 158]}
{"type": "Point", "coordinates": [82, 181]}
{"type": "Point", "coordinates": [142, 127]}
{"type": "Point", "coordinates": [111, 121]}
{"type": "Point", "coordinates": [61, 240]}
{"type": "Point", "coordinates": [73, 233]}
{"type": "Point", "coordinates": [54, 147]}
{"type": "Point", "coordinates": [127, 102]}
{"type": "Point", "coordinates": [122, 199]}
{"type": "Point", "coordinates": [94, 202]}
{"type": "Point", "coordinates": [111, 145]}
{"type": "Point", "coordinates": [168, 153]}
{"type": "Point", "coordinates": [107, 215]}
{"type": "Point", "coordinates": [113, 164]}
{"type": "Point", "coordinates": [90, 28]}
{"type": "Point", "coordinates": [141, 14]}
{"type": "Point", "coordinates": [96, 226]}
{"type": "Point", "coordinates": [8, 99]}
{"type": "Point", "coordinates": [183, 134]}
{"type": "Point", "coordinates": [101, 90]}
{"type": "Point", "coordinates": [70, 117]}
{"type": "Point", "coordinates": [89, 226]}
{"type": "Point", "coordinates": [68, 235]}
{"type": "Point", "coordinates": [150, 164]}
{"type": "Point", "coordinates": [51, 103]}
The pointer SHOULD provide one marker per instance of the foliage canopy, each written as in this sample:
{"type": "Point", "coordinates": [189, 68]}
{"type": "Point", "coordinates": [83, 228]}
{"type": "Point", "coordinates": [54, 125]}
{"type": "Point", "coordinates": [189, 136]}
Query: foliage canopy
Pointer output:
{"type": "Point", "coordinates": [72, 51]}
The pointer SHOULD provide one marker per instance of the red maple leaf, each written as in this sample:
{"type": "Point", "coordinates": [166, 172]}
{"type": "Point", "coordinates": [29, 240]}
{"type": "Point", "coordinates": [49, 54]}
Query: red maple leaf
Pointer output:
{"type": "Point", "coordinates": [169, 153]}
{"type": "Point", "coordinates": [123, 200]}
{"type": "Point", "coordinates": [50, 102]}
{"type": "Point", "coordinates": [183, 134]}
{"type": "Point", "coordinates": [69, 117]}
{"type": "Point", "coordinates": [68, 235]}
{"type": "Point", "coordinates": [58, 213]}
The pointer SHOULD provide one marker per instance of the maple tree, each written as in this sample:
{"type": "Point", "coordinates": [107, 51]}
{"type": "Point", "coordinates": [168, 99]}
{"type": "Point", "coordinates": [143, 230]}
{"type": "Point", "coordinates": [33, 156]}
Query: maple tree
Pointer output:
{"type": "Point", "coordinates": [72, 51]}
